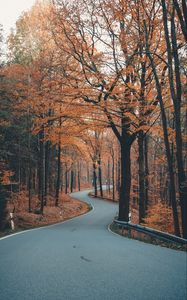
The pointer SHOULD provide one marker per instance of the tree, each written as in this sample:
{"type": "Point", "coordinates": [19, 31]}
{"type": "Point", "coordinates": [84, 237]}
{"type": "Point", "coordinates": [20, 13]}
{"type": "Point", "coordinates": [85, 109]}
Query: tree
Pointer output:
{"type": "Point", "coordinates": [174, 76]}
{"type": "Point", "coordinates": [181, 9]}
{"type": "Point", "coordinates": [83, 74]}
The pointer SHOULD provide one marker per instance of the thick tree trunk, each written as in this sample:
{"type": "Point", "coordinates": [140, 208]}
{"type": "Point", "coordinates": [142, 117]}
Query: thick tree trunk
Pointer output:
{"type": "Point", "coordinates": [124, 197]}
{"type": "Point", "coordinates": [72, 181]}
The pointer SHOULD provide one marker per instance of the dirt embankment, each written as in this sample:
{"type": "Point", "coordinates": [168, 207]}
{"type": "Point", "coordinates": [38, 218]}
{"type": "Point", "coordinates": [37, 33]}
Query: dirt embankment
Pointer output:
{"type": "Point", "coordinates": [67, 209]}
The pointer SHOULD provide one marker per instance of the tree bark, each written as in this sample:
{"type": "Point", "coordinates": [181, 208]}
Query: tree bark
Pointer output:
{"type": "Point", "coordinates": [146, 172]}
{"type": "Point", "coordinates": [179, 144]}
{"type": "Point", "coordinates": [113, 176]}
{"type": "Point", "coordinates": [30, 186]}
{"type": "Point", "coordinates": [29, 166]}
{"type": "Point", "coordinates": [79, 176]}
{"type": "Point", "coordinates": [41, 169]}
{"type": "Point", "coordinates": [100, 176]}
{"type": "Point", "coordinates": [166, 138]}
{"type": "Point", "coordinates": [88, 173]}
{"type": "Point", "coordinates": [182, 15]}
{"type": "Point", "coordinates": [47, 167]}
{"type": "Point", "coordinates": [58, 175]}
{"type": "Point", "coordinates": [108, 177]}
{"type": "Point", "coordinates": [66, 179]}
{"type": "Point", "coordinates": [94, 179]}
{"type": "Point", "coordinates": [176, 97]}
{"type": "Point", "coordinates": [124, 196]}
{"type": "Point", "coordinates": [118, 173]}
{"type": "Point", "coordinates": [141, 173]}
{"type": "Point", "coordinates": [72, 181]}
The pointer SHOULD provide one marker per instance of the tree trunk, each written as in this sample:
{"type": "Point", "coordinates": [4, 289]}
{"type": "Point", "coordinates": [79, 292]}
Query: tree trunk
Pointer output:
{"type": "Point", "coordinates": [47, 166]}
{"type": "Point", "coordinates": [58, 175]}
{"type": "Point", "coordinates": [72, 181]}
{"type": "Point", "coordinates": [182, 15]}
{"type": "Point", "coordinates": [141, 172]}
{"type": "Point", "coordinates": [79, 176]}
{"type": "Point", "coordinates": [146, 172]}
{"type": "Point", "coordinates": [113, 177]}
{"type": "Point", "coordinates": [108, 176]}
{"type": "Point", "coordinates": [176, 97]}
{"type": "Point", "coordinates": [66, 180]}
{"type": "Point", "coordinates": [41, 170]}
{"type": "Point", "coordinates": [179, 144]}
{"type": "Point", "coordinates": [88, 173]}
{"type": "Point", "coordinates": [166, 138]}
{"type": "Point", "coordinates": [75, 178]}
{"type": "Point", "coordinates": [62, 180]}
{"type": "Point", "coordinates": [100, 176]}
{"type": "Point", "coordinates": [19, 166]}
{"type": "Point", "coordinates": [30, 185]}
{"type": "Point", "coordinates": [29, 167]}
{"type": "Point", "coordinates": [118, 176]}
{"type": "Point", "coordinates": [94, 180]}
{"type": "Point", "coordinates": [124, 196]}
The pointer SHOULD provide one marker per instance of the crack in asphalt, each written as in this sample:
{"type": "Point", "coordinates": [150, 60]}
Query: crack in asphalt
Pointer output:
{"type": "Point", "coordinates": [85, 259]}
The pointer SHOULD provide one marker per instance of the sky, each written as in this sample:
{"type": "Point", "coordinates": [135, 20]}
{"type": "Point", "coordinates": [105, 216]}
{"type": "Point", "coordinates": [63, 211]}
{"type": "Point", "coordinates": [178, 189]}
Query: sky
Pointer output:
{"type": "Point", "coordinates": [10, 10]}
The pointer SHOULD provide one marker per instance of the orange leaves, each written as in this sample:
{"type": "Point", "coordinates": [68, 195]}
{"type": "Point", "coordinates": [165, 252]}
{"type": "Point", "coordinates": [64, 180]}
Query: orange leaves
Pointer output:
{"type": "Point", "coordinates": [144, 128]}
{"type": "Point", "coordinates": [16, 72]}
{"type": "Point", "coordinates": [158, 131]}
{"type": "Point", "coordinates": [6, 177]}
{"type": "Point", "coordinates": [159, 216]}
{"type": "Point", "coordinates": [92, 52]}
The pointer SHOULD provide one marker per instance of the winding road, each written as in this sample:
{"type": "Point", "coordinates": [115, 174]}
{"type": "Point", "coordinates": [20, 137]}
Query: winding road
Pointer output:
{"type": "Point", "coordinates": [81, 260]}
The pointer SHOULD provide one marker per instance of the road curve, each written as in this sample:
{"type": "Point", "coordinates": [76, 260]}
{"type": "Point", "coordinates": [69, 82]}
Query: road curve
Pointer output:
{"type": "Point", "coordinates": [81, 260]}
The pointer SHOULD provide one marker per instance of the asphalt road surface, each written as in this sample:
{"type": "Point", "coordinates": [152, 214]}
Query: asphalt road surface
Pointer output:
{"type": "Point", "coordinates": [81, 260]}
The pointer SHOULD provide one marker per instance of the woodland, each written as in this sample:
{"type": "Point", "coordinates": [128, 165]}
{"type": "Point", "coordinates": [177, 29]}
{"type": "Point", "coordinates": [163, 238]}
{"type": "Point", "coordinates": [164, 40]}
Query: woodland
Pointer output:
{"type": "Point", "coordinates": [94, 93]}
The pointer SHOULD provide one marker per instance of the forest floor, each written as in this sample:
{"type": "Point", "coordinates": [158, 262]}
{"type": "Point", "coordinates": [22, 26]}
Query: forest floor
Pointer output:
{"type": "Point", "coordinates": [68, 208]}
